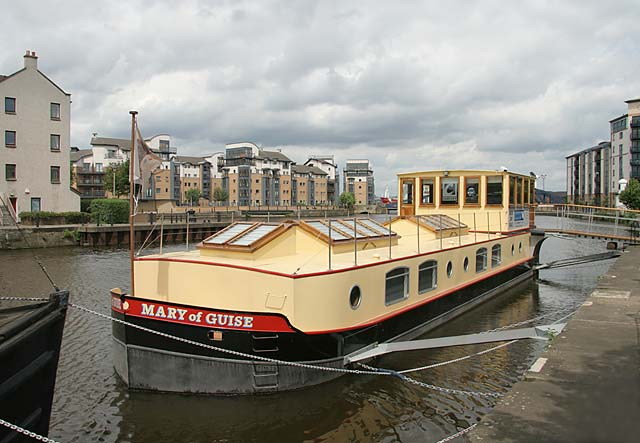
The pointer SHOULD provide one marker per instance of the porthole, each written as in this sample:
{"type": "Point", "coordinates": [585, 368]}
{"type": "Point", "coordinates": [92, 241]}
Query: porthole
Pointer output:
{"type": "Point", "coordinates": [355, 297]}
{"type": "Point", "coordinates": [449, 269]}
{"type": "Point", "coordinates": [513, 249]}
{"type": "Point", "coordinates": [466, 264]}
{"type": "Point", "coordinates": [520, 247]}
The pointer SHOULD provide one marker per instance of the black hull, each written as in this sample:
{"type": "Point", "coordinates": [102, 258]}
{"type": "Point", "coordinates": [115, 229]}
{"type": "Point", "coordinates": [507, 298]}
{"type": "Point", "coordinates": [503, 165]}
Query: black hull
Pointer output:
{"type": "Point", "coordinates": [30, 339]}
{"type": "Point", "coordinates": [183, 367]}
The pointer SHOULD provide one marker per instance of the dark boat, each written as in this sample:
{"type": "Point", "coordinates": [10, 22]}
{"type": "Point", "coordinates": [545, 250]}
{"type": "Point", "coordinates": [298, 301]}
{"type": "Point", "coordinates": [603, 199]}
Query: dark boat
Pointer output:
{"type": "Point", "coordinates": [30, 339]}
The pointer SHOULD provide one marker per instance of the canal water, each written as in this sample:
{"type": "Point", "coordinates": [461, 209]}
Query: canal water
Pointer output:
{"type": "Point", "coordinates": [92, 405]}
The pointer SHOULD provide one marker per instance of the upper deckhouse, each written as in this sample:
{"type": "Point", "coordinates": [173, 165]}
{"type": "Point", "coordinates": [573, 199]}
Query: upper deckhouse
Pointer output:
{"type": "Point", "coordinates": [485, 200]}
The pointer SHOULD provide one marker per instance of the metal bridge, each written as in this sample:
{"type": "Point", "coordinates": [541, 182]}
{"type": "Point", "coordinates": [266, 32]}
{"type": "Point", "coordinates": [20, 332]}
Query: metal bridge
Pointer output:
{"type": "Point", "coordinates": [621, 225]}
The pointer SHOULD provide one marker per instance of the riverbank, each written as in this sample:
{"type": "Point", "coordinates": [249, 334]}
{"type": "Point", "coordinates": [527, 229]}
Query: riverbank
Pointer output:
{"type": "Point", "coordinates": [587, 387]}
{"type": "Point", "coordinates": [174, 226]}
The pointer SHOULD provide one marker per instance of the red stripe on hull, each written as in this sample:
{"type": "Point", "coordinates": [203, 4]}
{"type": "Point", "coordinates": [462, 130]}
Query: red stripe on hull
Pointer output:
{"type": "Point", "coordinates": [237, 321]}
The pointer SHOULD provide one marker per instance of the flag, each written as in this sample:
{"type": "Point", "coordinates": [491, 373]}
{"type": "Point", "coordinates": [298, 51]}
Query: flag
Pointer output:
{"type": "Point", "coordinates": [145, 162]}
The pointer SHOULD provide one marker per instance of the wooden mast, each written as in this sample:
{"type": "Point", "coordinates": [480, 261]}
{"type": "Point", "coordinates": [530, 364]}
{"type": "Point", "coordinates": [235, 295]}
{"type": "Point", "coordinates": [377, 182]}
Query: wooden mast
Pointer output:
{"type": "Point", "coordinates": [132, 188]}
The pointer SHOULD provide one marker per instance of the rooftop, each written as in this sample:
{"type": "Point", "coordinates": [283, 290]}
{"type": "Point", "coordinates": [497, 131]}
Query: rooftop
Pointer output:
{"type": "Point", "coordinates": [77, 155]}
{"type": "Point", "coordinates": [306, 169]}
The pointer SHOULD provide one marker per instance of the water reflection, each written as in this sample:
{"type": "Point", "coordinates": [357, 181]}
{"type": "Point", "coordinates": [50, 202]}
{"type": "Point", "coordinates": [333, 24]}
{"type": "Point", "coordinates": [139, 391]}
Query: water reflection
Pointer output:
{"type": "Point", "coordinates": [91, 404]}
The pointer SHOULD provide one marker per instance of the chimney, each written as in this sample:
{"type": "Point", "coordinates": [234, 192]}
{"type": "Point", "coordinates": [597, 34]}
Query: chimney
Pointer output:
{"type": "Point", "coordinates": [30, 60]}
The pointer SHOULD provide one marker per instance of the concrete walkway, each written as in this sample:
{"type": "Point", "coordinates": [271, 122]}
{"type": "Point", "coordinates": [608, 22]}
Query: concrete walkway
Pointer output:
{"type": "Point", "coordinates": [589, 388]}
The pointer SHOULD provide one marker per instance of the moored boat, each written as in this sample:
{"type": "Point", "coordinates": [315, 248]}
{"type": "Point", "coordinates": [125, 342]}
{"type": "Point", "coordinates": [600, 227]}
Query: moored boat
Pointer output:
{"type": "Point", "coordinates": [318, 291]}
{"type": "Point", "coordinates": [30, 340]}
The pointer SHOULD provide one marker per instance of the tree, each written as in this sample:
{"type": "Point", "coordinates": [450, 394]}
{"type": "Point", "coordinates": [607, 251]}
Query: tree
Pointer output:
{"type": "Point", "coordinates": [347, 199]}
{"type": "Point", "coordinates": [121, 173]}
{"type": "Point", "coordinates": [631, 195]}
{"type": "Point", "coordinates": [220, 195]}
{"type": "Point", "coordinates": [193, 195]}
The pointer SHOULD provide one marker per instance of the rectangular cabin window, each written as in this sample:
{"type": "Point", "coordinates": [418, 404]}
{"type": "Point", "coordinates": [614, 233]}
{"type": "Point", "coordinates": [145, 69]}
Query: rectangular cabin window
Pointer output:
{"type": "Point", "coordinates": [481, 259]}
{"type": "Point", "coordinates": [494, 190]}
{"type": "Point", "coordinates": [472, 191]}
{"type": "Point", "coordinates": [427, 276]}
{"type": "Point", "coordinates": [396, 285]}
{"type": "Point", "coordinates": [519, 186]}
{"type": "Point", "coordinates": [426, 193]}
{"type": "Point", "coordinates": [407, 192]}
{"type": "Point", "coordinates": [532, 191]}
{"type": "Point", "coordinates": [449, 191]}
{"type": "Point", "coordinates": [496, 255]}
{"type": "Point", "coordinates": [513, 197]}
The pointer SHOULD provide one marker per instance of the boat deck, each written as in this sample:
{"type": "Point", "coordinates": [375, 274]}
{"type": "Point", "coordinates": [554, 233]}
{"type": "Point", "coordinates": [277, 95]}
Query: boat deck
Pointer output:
{"type": "Point", "coordinates": [318, 261]}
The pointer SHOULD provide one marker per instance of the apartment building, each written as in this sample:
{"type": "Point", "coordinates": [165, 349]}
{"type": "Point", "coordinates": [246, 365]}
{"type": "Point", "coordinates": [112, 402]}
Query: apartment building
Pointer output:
{"type": "Point", "coordinates": [625, 146]}
{"type": "Point", "coordinates": [358, 179]}
{"type": "Point", "coordinates": [166, 182]}
{"type": "Point", "coordinates": [588, 175]}
{"type": "Point", "coordinates": [195, 173]}
{"type": "Point", "coordinates": [254, 177]}
{"type": "Point", "coordinates": [35, 159]}
{"type": "Point", "coordinates": [310, 185]}
{"type": "Point", "coordinates": [593, 175]}
{"type": "Point", "coordinates": [328, 165]}
{"type": "Point", "coordinates": [85, 177]}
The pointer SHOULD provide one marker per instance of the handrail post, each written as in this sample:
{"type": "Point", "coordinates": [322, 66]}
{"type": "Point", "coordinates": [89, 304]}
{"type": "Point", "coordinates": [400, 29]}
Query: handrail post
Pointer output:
{"type": "Point", "coordinates": [355, 242]}
{"type": "Point", "coordinates": [330, 241]}
{"type": "Point", "coordinates": [418, 231]}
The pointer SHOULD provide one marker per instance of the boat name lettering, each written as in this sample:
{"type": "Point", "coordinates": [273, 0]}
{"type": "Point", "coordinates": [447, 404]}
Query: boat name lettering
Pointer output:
{"type": "Point", "coordinates": [211, 318]}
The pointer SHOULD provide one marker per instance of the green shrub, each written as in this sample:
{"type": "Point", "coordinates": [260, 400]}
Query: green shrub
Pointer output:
{"type": "Point", "coordinates": [109, 210]}
{"type": "Point", "coordinates": [72, 217]}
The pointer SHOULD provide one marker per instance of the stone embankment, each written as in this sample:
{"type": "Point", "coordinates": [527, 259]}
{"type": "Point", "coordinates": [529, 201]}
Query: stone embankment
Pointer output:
{"type": "Point", "coordinates": [587, 384]}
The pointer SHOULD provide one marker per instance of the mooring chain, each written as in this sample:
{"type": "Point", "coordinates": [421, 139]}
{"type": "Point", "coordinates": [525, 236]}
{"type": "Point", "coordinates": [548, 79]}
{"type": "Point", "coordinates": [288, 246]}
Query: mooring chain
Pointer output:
{"type": "Point", "coordinates": [458, 434]}
{"type": "Point", "coordinates": [26, 432]}
{"type": "Point", "coordinates": [531, 320]}
{"type": "Point", "coordinates": [228, 351]}
{"type": "Point", "coordinates": [403, 377]}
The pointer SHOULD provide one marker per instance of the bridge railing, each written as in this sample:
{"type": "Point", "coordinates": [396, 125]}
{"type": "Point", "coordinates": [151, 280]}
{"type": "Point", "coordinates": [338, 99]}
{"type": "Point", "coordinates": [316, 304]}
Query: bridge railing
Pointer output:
{"type": "Point", "coordinates": [593, 219]}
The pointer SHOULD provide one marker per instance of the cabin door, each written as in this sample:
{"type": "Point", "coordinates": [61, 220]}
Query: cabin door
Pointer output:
{"type": "Point", "coordinates": [408, 197]}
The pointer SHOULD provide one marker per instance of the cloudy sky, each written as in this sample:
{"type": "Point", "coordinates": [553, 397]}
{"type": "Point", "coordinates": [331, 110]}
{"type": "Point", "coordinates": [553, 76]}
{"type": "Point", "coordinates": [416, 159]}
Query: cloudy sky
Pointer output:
{"type": "Point", "coordinates": [408, 84]}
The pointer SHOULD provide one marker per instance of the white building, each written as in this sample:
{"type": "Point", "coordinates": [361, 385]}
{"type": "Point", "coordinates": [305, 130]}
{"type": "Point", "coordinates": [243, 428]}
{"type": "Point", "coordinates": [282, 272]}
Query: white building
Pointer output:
{"type": "Point", "coordinates": [328, 164]}
{"type": "Point", "coordinates": [35, 125]}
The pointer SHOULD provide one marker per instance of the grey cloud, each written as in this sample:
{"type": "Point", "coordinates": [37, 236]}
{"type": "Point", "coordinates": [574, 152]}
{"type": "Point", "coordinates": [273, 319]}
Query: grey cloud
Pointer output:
{"type": "Point", "coordinates": [411, 85]}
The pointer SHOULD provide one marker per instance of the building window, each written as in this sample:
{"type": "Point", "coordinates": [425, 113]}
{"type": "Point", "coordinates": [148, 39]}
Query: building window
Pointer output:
{"type": "Point", "coordinates": [396, 285]}
{"type": "Point", "coordinates": [494, 190]}
{"type": "Point", "coordinates": [620, 135]}
{"type": "Point", "coordinates": [55, 111]}
{"type": "Point", "coordinates": [10, 172]}
{"type": "Point", "coordinates": [98, 167]}
{"type": "Point", "coordinates": [9, 105]}
{"type": "Point", "coordinates": [36, 204]}
{"type": "Point", "coordinates": [426, 186]}
{"type": "Point", "coordinates": [54, 142]}
{"type": "Point", "coordinates": [55, 174]}
{"type": "Point", "coordinates": [481, 259]}
{"type": "Point", "coordinates": [496, 255]}
{"type": "Point", "coordinates": [471, 191]}
{"type": "Point", "coordinates": [10, 139]}
{"type": "Point", "coordinates": [427, 276]}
